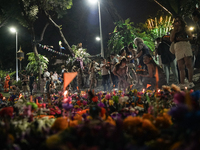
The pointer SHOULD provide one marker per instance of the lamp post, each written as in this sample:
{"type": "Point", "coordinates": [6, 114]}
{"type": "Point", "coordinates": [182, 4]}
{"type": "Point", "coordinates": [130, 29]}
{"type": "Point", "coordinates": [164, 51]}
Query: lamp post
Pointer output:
{"type": "Point", "coordinates": [100, 26]}
{"type": "Point", "coordinates": [13, 30]}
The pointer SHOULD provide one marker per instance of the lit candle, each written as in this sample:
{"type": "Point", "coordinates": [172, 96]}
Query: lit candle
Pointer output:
{"type": "Point", "coordinates": [66, 93]}
{"type": "Point", "coordinates": [186, 88]}
{"type": "Point", "coordinates": [143, 91]}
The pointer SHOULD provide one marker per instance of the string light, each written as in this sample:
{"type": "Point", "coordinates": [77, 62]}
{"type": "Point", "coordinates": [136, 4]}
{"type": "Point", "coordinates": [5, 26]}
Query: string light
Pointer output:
{"type": "Point", "coordinates": [52, 50]}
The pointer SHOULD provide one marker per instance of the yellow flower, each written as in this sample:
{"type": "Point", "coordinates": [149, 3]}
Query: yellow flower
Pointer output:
{"type": "Point", "coordinates": [111, 102]}
{"type": "Point", "coordinates": [103, 100]}
{"type": "Point", "coordinates": [76, 106]}
{"type": "Point", "coordinates": [149, 91]}
{"type": "Point", "coordinates": [134, 90]}
{"type": "Point", "coordinates": [120, 91]}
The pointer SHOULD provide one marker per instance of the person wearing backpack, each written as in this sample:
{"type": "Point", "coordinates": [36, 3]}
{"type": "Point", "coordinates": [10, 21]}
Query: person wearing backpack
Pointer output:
{"type": "Point", "coordinates": [168, 59]}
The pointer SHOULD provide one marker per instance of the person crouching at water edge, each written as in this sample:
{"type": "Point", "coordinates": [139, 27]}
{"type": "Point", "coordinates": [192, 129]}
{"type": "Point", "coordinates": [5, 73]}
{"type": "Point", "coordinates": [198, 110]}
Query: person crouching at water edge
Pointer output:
{"type": "Point", "coordinates": [150, 77]}
{"type": "Point", "coordinates": [121, 71]}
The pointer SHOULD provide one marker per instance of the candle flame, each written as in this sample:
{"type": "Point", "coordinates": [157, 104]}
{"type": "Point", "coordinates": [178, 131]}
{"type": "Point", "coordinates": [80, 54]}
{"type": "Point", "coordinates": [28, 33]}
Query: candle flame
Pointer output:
{"type": "Point", "coordinates": [65, 93]}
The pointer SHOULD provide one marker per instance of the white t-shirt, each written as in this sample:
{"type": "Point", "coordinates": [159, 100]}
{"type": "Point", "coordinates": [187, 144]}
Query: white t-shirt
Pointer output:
{"type": "Point", "coordinates": [46, 74]}
{"type": "Point", "coordinates": [104, 71]}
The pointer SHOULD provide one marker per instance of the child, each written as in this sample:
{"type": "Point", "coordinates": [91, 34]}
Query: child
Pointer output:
{"type": "Point", "coordinates": [121, 71]}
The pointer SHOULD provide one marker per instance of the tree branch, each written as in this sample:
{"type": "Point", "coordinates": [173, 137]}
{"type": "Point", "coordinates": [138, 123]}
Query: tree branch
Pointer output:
{"type": "Point", "coordinates": [4, 22]}
{"type": "Point", "coordinates": [167, 7]}
{"type": "Point", "coordinates": [65, 43]}
{"type": "Point", "coordinates": [42, 34]}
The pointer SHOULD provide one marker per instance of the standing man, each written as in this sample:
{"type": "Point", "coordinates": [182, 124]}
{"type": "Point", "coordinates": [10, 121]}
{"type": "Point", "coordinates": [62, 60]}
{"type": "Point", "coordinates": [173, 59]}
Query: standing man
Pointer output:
{"type": "Point", "coordinates": [31, 81]}
{"type": "Point", "coordinates": [25, 85]}
{"type": "Point", "coordinates": [105, 74]}
{"type": "Point", "coordinates": [114, 61]}
{"type": "Point", "coordinates": [168, 59]}
{"type": "Point", "coordinates": [46, 74]}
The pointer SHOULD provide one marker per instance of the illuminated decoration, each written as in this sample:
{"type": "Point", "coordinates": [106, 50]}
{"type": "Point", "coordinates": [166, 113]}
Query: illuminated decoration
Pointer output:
{"type": "Point", "coordinates": [20, 54]}
{"type": "Point", "coordinates": [52, 50]}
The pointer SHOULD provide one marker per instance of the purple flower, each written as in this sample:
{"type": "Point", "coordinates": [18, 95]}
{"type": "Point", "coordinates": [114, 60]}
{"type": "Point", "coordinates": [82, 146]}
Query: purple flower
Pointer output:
{"type": "Point", "coordinates": [101, 104]}
{"type": "Point", "coordinates": [179, 98]}
{"type": "Point", "coordinates": [178, 112]}
{"type": "Point", "coordinates": [67, 106]}
{"type": "Point", "coordinates": [116, 116]}
{"type": "Point", "coordinates": [39, 98]}
{"type": "Point", "coordinates": [27, 110]}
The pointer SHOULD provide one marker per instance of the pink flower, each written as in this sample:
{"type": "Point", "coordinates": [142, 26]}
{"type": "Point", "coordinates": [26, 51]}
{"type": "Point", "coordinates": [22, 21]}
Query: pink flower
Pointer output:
{"type": "Point", "coordinates": [84, 103]}
{"type": "Point", "coordinates": [108, 96]}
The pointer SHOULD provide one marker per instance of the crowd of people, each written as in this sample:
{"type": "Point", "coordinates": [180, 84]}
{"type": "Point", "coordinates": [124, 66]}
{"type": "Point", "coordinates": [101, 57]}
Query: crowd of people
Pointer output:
{"type": "Point", "coordinates": [134, 66]}
{"type": "Point", "coordinates": [178, 52]}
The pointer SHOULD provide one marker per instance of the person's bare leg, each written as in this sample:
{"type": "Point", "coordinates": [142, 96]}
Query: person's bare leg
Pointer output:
{"type": "Point", "coordinates": [181, 67]}
{"type": "Point", "coordinates": [188, 63]}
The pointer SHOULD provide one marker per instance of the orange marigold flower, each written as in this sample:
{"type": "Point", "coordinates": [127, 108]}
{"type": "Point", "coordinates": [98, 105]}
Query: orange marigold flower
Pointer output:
{"type": "Point", "coordinates": [149, 117]}
{"type": "Point", "coordinates": [103, 111]}
{"type": "Point", "coordinates": [132, 121]}
{"type": "Point", "coordinates": [60, 124]}
{"type": "Point", "coordinates": [147, 125]}
{"type": "Point", "coordinates": [73, 123]}
{"type": "Point", "coordinates": [78, 117]}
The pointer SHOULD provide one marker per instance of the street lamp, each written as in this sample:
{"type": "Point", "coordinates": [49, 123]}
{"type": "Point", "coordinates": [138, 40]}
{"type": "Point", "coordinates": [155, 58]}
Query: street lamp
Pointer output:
{"type": "Point", "coordinates": [13, 30]}
{"type": "Point", "coordinates": [100, 26]}
{"type": "Point", "coordinates": [191, 28]}
{"type": "Point", "coordinates": [98, 38]}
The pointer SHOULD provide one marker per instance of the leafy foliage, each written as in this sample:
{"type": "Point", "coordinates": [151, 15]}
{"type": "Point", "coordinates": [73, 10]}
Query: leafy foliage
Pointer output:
{"type": "Point", "coordinates": [125, 33]}
{"type": "Point", "coordinates": [3, 74]}
{"type": "Point", "coordinates": [80, 54]}
{"type": "Point", "coordinates": [33, 65]}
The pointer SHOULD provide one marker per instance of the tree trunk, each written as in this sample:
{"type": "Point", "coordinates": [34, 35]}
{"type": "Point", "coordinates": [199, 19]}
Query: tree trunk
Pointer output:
{"type": "Point", "coordinates": [112, 11]}
{"type": "Point", "coordinates": [36, 54]}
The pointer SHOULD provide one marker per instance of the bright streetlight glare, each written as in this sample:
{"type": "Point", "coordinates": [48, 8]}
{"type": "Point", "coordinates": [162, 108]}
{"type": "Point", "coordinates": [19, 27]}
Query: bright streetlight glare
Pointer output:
{"type": "Point", "coordinates": [93, 1]}
{"type": "Point", "coordinates": [98, 38]}
{"type": "Point", "coordinates": [191, 28]}
{"type": "Point", "coordinates": [13, 30]}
